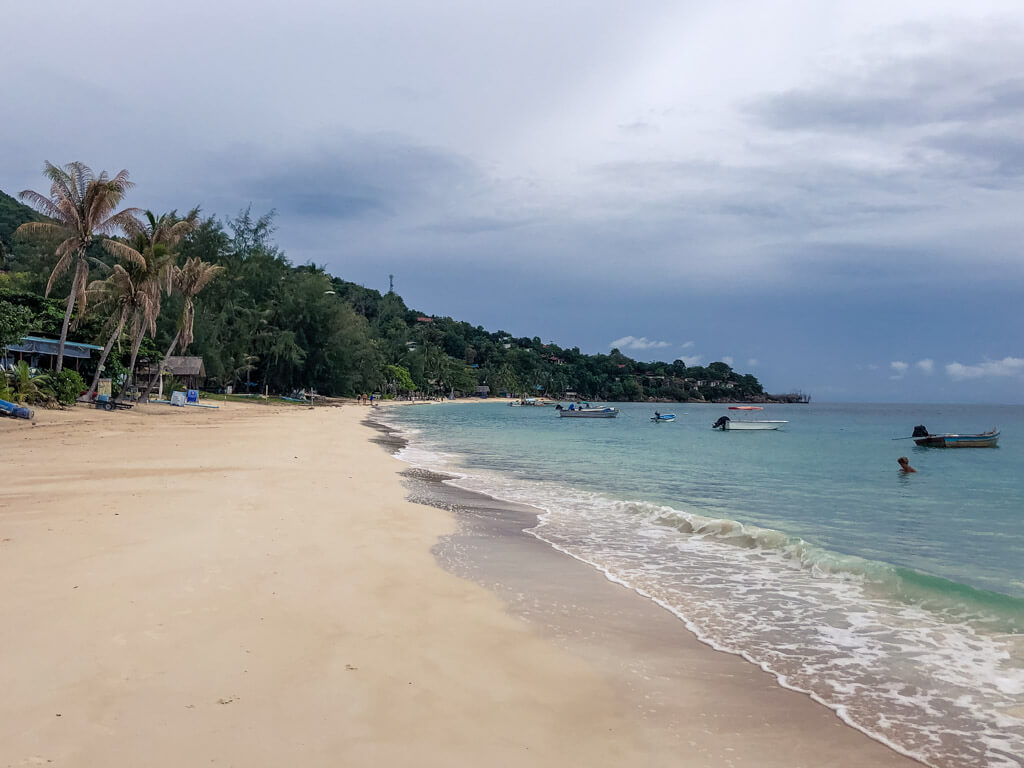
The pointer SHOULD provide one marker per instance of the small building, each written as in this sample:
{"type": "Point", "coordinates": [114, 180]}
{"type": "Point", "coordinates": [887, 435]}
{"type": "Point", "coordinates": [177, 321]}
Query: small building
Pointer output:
{"type": "Point", "coordinates": [189, 370]}
{"type": "Point", "coordinates": [42, 353]}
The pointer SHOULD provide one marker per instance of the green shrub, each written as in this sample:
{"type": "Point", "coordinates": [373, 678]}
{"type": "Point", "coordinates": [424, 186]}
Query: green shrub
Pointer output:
{"type": "Point", "coordinates": [67, 386]}
{"type": "Point", "coordinates": [26, 388]}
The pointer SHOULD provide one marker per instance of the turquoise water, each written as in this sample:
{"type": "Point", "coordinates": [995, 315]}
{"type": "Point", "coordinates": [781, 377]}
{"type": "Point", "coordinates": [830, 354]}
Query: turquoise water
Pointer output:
{"type": "Point", "coordinates": [897, 600]}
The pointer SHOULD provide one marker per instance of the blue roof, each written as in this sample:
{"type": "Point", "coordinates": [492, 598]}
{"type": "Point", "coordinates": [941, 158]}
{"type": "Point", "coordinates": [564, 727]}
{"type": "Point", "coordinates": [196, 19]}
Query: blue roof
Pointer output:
{"type": "Point", "coordinates": [77, 344]}
{"type": "Point", "coordinates": [35, 345]}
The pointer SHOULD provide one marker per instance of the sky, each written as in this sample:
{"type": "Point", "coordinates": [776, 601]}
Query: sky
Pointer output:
{"type": "Point", "coordinates": [827, 195]}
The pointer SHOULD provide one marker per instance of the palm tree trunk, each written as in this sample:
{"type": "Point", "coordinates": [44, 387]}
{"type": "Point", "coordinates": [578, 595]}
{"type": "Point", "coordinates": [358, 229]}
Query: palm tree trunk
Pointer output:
{"type": "Point", "coordinates": [160, 375]}
{"type": "Point", "coordinates": [72, 300]}
{"type": "Point", "coordinates": [64, 333]}
{"type": "Point", "coordinates": [136, 343]}
{"type": "Point", "coordinates": [106, 351]}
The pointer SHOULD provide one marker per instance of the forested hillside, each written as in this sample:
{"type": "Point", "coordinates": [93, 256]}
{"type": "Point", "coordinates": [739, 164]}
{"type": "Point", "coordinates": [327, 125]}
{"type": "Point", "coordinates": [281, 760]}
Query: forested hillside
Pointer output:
{"type": "Point", "coordinates": [261, 323]}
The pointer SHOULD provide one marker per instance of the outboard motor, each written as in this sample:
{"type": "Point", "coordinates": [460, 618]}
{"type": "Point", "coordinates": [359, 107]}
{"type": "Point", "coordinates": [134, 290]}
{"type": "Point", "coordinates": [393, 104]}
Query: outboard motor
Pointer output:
{"type": "Point", "coordinates": [720, 424]}
{"type": "Point", "coordinates": [920, 431]}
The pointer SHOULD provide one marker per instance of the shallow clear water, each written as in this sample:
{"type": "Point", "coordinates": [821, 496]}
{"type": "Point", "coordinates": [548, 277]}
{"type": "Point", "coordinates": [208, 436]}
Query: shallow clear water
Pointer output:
{"type": "Point", "coordinates": [897, 600]}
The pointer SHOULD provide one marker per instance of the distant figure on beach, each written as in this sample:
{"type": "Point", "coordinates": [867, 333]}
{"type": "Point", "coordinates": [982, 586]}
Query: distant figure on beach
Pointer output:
{"type": "Point", "coordinates": [904, 463]}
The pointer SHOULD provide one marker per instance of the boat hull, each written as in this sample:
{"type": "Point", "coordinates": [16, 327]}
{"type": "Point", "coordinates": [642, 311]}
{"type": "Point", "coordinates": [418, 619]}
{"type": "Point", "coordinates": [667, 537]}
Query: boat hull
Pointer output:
{"type": "Point", "coordinates": [744, 426]}
{"type": "Point", "coordinates": [595, 413]}
{"type": "Point", "coordinates": [983, 440]}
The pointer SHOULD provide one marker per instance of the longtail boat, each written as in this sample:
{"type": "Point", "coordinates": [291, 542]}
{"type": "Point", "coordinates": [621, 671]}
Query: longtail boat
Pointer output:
{"type": "Point", "coordinates": [925, 438]}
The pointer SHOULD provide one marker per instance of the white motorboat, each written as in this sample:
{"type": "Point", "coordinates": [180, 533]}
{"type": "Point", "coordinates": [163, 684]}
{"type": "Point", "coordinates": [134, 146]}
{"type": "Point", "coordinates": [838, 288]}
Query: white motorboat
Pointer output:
{"type": "Point", "coordinates": [589, 413]}
{"type": "Point", "coordinates": [727, 424]}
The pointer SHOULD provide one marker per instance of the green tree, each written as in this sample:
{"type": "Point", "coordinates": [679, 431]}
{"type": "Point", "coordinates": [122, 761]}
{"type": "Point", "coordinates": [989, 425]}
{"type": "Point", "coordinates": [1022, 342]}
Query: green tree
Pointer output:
{"type": "Point", "coordinates": [15, 323]}
{"type": "Point", "coordinates": [120, 297]}
{"type": "Point", "coordinates": [187, 281]}
{"type": "Point", "coordinates": [155, 239]}
{"type": "Point", "coordinates": [398, 379]}
{"type": "Point", "coordinates": [80, 206]}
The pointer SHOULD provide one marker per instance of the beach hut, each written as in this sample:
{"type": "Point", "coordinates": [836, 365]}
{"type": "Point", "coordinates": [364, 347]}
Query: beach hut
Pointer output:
{"type": "Point", "coordinates": [189, 370]}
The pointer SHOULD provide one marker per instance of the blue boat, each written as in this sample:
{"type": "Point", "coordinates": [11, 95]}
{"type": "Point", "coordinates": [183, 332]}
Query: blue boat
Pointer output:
{"type": "Point", "coordinates": [14, 410]}
{"type": "Point", "coordinates": [659, 417]}
{"type": "Point", "coordinates": [981, 440]}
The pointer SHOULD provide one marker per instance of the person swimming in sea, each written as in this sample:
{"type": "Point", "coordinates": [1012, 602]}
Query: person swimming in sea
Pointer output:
{"type": "Point", "coordinates": [904, 463]}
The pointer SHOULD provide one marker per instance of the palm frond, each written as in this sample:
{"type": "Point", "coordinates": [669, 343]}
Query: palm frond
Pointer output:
{"type": "Point", "coordinates": [41, 203]}
{"type": "Point", "coordinates": [124, 252]}
{"type": "Point", "coordinates": [124, 221]}
{"type": "Point", "coordinates": [63, 264]}
{"type": "Point", "coordinates": [40, 229]}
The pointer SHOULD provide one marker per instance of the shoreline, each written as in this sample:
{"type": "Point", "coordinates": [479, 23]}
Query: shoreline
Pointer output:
{"type": "Point", "coordinates": [645, 648]}
{"type": "Point", "coordinates": [252, 586]}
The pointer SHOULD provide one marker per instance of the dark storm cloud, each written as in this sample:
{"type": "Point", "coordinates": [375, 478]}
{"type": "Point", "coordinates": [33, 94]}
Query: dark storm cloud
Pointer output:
{"type": "Point", "coordinates": [351, 177]}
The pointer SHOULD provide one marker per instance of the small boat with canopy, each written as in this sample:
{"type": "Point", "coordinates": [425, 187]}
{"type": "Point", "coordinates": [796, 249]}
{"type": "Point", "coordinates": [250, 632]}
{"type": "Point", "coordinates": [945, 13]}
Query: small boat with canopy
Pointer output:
{"type": "Point", "coordinates": [728, 424]}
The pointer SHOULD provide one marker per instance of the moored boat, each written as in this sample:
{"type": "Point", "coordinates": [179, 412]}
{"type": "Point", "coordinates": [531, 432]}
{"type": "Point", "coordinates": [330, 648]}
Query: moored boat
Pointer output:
{"type": "Point", "coordinates": [926, 439]}
{"type": "Point", "coordinates": [659, 417]}
{"type": "Point", "coordinates": [726, 424]}
{"type": "Point", "coordinates": [589, 413]}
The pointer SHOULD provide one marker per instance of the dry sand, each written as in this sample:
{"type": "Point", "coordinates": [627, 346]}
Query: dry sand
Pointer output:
{"type": "Point", "coordinates": [249, 586]}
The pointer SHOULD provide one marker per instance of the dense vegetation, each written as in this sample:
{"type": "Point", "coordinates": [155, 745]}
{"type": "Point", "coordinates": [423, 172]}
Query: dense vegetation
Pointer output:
{"type": "Point", "coordinates": [261, 323]}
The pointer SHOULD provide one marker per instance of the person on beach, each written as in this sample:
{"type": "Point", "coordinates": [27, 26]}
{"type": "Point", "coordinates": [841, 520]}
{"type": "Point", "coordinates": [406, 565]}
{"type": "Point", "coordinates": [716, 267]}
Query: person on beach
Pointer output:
{"type": "Point", "coordinates": [904, 463]}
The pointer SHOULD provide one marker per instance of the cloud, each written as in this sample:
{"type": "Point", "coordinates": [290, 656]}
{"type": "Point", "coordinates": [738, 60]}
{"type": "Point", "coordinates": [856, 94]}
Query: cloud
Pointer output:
{"type": "Point", "coordinates": [926, 366]}
{"type": "Point", "coordinates": [899, 369]}
{"type": "Point", "coordinates": [351, 176]}
{"type": "Point", "coordinates": [727, 359]}
{"type": "Point", "coordinates": [753, 362]}
{"type": "Point", "coordinates": [638, 128]}
{"type": "Point", "coordinates": [634, 342]}
{"type": "Point", "coordinates": [1008, 366]}
{"type": "Point", "coordinates": [692, 360]}
{"type": "Point", "coordinates": [688, 345]}
{"type": "Point", "coordinates": [943, 79]}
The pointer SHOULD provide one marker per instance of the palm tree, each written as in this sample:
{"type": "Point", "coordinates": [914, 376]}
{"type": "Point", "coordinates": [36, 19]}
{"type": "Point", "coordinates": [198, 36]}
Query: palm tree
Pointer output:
{"type": "Point", "coordinates": [80, 206]}
{"type": "Point", "coordinates": [121, 295]}
{"type": "Point", "coordinates": [188, 280]}
{"type": "Point", "coordinates": [155, 239]}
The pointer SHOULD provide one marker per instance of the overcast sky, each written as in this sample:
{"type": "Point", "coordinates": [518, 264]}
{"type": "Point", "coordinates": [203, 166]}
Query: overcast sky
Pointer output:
{"type": "Point", "coordinates": [827, 195]}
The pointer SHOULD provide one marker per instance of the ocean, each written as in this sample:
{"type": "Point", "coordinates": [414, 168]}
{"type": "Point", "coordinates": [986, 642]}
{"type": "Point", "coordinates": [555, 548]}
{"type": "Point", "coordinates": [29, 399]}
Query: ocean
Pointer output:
{"type": "Point", "coordinates": [897, 600]}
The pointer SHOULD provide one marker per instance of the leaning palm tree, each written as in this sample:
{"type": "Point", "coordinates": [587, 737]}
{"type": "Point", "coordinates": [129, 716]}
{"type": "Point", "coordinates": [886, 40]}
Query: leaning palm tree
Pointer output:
{"type": "Point", "coordinates": [156, 239]}
{"type": "Point", "coordinates": [119, 295]}
{"type": "Point", "coordinates": [188, 280]}
{"type": "Point", "coordinates": [81, 206]}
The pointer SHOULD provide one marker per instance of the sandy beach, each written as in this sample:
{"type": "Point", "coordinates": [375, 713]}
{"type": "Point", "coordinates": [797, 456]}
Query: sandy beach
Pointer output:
{"type": "Point", "coordinates": [253, 586]}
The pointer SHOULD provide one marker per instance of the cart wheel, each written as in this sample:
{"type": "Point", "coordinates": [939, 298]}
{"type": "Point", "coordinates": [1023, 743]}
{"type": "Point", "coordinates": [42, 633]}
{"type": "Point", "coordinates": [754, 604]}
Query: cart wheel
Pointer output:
{"type": "Point", "coordinates": [108, 406]}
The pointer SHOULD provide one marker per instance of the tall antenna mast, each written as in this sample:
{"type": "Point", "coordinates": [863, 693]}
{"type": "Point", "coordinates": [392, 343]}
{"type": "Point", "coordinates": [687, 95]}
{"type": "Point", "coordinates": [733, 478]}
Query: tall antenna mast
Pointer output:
{"type": "Point", "coordinates": [391, 283]}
